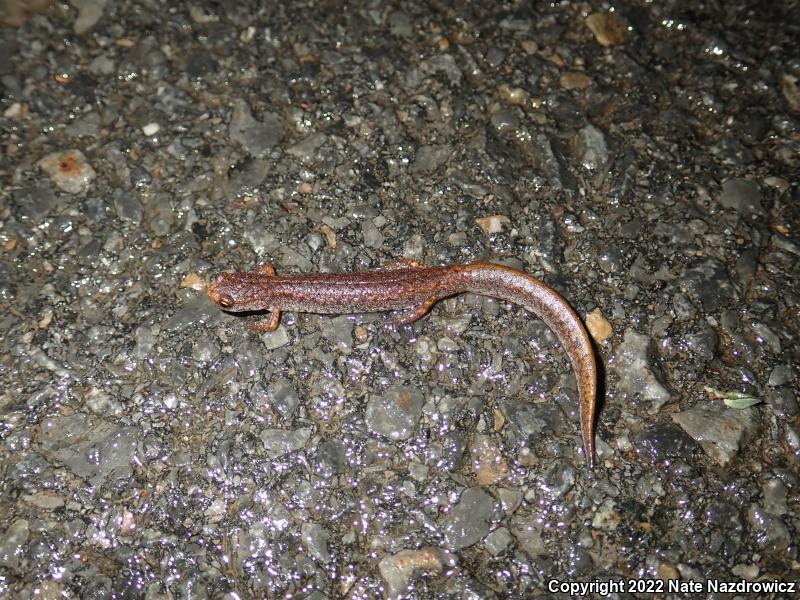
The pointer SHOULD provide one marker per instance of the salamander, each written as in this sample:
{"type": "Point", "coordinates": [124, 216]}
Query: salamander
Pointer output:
{"type": "Point", "coordinates": [408, 287]}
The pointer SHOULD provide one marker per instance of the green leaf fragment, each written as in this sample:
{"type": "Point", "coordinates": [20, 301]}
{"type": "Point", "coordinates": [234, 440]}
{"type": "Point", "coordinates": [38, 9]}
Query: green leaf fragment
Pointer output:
{"type": "Point", "coordinates": [738, 400]}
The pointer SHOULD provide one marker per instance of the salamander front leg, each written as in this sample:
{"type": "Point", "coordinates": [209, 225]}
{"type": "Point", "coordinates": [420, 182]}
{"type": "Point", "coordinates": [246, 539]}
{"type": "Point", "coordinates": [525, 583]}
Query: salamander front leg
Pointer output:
{"type": "Point", "coordinates": [274, 318]}
{"type": "Point", "coordinates": [267, 326]}
{"type": "Point", "coordinates": [408, 316]}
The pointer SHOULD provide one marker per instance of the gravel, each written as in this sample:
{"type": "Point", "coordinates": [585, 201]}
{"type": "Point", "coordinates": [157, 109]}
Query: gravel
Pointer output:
{"type": "Point", "coordinates": [643, 161]}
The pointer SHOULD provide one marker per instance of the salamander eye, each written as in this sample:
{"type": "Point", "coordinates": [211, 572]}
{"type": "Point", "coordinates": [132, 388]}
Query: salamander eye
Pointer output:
{"type": "Point", "coordinates": [225, 301]}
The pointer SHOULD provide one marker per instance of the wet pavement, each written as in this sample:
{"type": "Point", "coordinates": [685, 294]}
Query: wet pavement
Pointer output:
{"type": "Point", "coordinates": [644, 161]}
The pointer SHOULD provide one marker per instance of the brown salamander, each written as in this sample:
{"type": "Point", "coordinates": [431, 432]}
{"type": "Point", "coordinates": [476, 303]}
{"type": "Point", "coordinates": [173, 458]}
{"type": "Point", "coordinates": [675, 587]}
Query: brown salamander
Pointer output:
{"type": "Point", "coordinates": [409, 287]}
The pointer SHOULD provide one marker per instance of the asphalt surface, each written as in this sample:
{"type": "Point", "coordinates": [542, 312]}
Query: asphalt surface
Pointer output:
{"type": "Point", "coordinates": [643, 160]}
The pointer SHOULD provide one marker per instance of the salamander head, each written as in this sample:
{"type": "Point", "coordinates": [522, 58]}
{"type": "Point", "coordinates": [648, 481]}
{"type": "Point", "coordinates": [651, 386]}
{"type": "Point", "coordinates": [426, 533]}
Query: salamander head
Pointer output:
{"type": "Point", "coordinates": [237, 292]}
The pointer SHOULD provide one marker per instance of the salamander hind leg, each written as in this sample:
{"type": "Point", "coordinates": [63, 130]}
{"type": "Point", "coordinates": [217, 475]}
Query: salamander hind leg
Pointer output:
{"type": "Point", "coordinates": [267, 326]}
{"type": "Point", "coordinates": [268, 269]}
{"type": "Point", "coordinates": [408, 316]}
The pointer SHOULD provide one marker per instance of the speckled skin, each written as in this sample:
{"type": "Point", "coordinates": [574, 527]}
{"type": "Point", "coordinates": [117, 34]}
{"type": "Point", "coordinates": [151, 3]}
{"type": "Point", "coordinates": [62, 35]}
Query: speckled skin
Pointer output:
{"type": "Point", "coordinates": [407, 286]}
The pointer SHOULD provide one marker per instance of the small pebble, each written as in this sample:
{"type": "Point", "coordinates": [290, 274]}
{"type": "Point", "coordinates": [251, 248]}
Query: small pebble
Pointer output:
{"type": "Point", "coordinates": [151, 129]}
{"type": "Point", "coordinates": [69, 170]}
{"type": "Point", "coordinates": [575, 80]}
{"type": "Point", "coordinates": [493, 224]}
{"type": "Point", "coordinates": [599, 327]}
{"type": "Point", "coordinates": [607, 28]}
